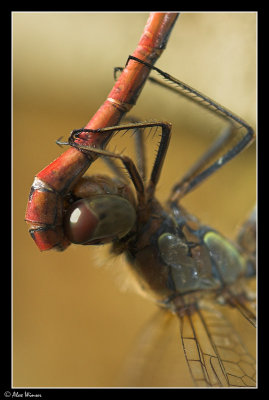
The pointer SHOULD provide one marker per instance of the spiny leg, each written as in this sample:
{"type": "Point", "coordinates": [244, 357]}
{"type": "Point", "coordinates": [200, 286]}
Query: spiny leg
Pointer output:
{"type": "Point", "coordinates": [140, 158]}
{"type": "Point", "coordinates": [128, 163]}
{"type": "Point", "coordinates": [113, 166]}
{"type": "Point", "coordinates": [140, 153]}
{"type": "Point", "coordinates": [226, 134]}
{"type": "Point", "coordinates": [198, 173]}
{"type": "Point", "coordinates": [178, 189]}
{"type": "Point", "coordinates": [190, 178]}
{"type": "Point", "coordinates": [140, 150]}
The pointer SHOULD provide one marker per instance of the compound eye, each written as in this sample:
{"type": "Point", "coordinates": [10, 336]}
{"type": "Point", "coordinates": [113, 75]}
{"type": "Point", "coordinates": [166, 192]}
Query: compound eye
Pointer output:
{"type": "Point", "coordinates": [99, 219]}
{"type": "Point", "coordinates": [80, 222]}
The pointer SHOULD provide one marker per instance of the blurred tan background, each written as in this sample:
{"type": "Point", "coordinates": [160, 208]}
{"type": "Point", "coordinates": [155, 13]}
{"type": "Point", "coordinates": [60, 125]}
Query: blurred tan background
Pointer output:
{"type": "Point", "coordinates": [72, 325]}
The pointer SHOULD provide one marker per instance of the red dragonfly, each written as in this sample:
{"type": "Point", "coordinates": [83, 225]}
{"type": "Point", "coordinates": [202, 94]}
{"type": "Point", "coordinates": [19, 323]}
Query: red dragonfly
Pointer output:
{"type": "Point", "coordinates": [183, 264]}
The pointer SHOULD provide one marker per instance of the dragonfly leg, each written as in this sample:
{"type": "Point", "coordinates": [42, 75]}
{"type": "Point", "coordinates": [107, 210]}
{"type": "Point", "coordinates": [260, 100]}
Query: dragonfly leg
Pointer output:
{"type": "Point", "coordinates": [139, 146]}
{"type": "Point", "coordinates": [207, 167]}
{"type": "Point", "coordinates": [135, 175]}
{"type": "Point", "coordinates": [127, 162]}
{"type": "Point", "coordinates": [189, 179]}
{"type": "Point", "coordinates": [140, 150]}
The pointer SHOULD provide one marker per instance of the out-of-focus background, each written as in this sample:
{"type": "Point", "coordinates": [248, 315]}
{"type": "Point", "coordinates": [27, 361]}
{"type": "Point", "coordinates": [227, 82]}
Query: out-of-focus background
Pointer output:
{"type": "Point", "coordinates": [73, 325]}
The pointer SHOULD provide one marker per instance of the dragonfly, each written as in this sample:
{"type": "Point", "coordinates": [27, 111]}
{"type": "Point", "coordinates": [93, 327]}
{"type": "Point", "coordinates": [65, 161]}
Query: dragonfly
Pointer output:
{"type": "Point", "coordinates": [184, 265]}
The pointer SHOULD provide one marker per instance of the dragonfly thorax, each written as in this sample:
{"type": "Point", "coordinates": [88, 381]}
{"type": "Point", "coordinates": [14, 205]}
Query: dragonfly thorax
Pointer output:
{"type": "Point", "coordinates": [174, 255]}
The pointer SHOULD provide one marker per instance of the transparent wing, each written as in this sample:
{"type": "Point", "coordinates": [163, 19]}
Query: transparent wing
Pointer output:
{"type": "Point", "coordinates": [215, 354]}
{"type": "Point", "coordinates": [242, 297]}
{"type": "Point", "coordinates": [207, 353]}
{"type": "Point", "coordinates": [247, 308]}
{"type": "Point", "coordinates": [157, 358]}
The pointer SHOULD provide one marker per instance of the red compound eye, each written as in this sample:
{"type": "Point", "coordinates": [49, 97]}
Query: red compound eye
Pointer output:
{"type": "Point", "coordinates": [99, 219]}
{"type": "Point", "coordinates": [80, 222]}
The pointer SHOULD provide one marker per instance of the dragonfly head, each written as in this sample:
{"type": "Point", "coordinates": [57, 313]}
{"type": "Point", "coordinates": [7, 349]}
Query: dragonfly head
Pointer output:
{"type": "Point", "coordinates": [104, 213]}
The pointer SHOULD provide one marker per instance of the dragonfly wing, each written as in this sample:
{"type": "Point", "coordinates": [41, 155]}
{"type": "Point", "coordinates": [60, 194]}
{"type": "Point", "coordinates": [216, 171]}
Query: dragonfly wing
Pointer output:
{"type": "Point", "coordinates": [246, 308]}
{"type": "Point", "coordinates": [156, 358]}
{"type": "Point", "coordinates": [215, 354]}
{"type": "Point", "coordinates": [245, 301]}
